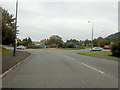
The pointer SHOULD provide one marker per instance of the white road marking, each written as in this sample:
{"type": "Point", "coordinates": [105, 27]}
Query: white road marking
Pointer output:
{"type": "Point", "coordinates": [93, 68]}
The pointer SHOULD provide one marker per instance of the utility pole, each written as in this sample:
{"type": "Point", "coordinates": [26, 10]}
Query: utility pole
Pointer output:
{"type": "Point", "coordinates": [14, 51]}
{"type": "Point", "coordinates": [92, 34]}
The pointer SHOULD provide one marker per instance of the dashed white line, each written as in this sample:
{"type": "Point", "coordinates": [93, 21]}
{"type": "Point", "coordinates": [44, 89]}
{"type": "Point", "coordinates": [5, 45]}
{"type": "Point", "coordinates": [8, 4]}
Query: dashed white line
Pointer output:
{"type": "Point", "coordinates": [93, 68]}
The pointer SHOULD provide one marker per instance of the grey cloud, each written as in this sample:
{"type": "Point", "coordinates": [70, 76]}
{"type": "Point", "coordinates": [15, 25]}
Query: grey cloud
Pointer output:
{"type": "Point", "coordinates": [70, 20]}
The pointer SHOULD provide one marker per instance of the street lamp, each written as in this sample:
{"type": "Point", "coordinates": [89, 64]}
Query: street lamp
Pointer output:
{"type": "Point", "coordinates": [92, 34]}
{"type": "Point", "coordinates": [14, 52]}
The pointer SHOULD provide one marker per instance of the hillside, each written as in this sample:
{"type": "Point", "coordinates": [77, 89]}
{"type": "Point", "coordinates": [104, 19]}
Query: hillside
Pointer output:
{"type": "Point", "coordinates": [114, 36]}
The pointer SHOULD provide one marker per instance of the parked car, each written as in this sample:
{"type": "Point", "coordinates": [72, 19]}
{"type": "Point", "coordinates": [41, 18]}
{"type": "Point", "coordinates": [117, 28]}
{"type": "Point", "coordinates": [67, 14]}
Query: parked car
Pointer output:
{"type": "Point", "coordinates": [21, 47]}
{"type": "Point", "coordinates": [96, 49]}
{"type": "Point", "coordinates": [107, 46]}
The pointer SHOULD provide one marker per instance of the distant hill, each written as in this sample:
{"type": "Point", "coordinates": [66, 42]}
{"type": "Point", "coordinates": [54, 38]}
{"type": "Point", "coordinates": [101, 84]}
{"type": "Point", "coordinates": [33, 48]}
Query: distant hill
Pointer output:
{"type": "Point", "coordinates": [114, 36]}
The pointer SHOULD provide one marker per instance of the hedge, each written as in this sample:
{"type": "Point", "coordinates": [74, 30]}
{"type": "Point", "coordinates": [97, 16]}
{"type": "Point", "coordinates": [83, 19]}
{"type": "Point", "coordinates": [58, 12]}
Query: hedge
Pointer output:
{"type": "Point", "coordinates": [33, 47]}
{"type": "Point", "coordinates": [115, 49]}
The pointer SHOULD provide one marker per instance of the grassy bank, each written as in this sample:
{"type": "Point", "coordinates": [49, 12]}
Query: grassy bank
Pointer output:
{"type": "Point", "coordinates": [33, 47]}
{"type": "Point", "coordinates": [87, 47]}
{"type": "Point", "coordinates": [109, 55]}
{"type": "Point", "coordinates": [4, 51]}
{"type": "Point", "coordinates": [71, 48]}
{"type": "Point", "coordinates": [90, 52]}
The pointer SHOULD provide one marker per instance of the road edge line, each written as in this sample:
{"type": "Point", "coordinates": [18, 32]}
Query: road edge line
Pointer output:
{"type": "Point", "coordinates": [12, 68]}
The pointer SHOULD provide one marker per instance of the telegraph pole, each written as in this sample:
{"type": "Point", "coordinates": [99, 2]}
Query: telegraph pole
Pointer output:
{"type": "Point", "coordinates": [14, 52]}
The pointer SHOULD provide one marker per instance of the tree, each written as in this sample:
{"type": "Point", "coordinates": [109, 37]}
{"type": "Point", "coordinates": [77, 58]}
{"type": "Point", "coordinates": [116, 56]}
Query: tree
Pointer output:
{"type": "Point", "coordinates": [26, 41]}
{"type": "Point", "coordinates": [70, 45]}
{"type": "Point", "coordinates": [95, 41]}
{"type": "Point", "coordinates": [29, 40]}
{"type": "Point", "coordinates": [72, 41]}
{"type": "Point", "coordinates": [55, 40]}
{"type": "Point", "coordinates": [8, 27]}
{"type": "Point", "coordinates": [87, 42]}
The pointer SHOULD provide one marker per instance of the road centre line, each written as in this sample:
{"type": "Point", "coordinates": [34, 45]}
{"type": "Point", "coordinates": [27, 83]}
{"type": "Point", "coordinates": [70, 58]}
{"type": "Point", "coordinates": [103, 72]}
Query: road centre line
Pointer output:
{"type": "Point", "coordinates": [93, 68]}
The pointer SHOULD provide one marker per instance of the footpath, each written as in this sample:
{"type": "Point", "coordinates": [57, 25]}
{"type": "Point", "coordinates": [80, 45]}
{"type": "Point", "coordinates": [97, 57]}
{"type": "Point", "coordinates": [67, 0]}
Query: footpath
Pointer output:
{"type": "Point", "coordinates": [9, 61]}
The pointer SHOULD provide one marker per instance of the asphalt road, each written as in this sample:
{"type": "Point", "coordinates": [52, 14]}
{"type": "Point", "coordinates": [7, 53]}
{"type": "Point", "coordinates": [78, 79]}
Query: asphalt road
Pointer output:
{"type": "Point", "coordinates": [56, 68]}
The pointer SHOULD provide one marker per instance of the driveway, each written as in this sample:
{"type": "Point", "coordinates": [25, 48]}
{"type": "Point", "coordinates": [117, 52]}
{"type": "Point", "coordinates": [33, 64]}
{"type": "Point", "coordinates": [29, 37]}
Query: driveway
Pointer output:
{"type": "Point", "coordinates": [56, 68]}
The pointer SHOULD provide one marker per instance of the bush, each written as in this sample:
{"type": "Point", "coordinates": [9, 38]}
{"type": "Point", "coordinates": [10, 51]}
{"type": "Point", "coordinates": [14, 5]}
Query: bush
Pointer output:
{"type": "Point", "coordinates": [70, 45]}
{"type": "Point", "coordinates": [25, 43]}
{"type": "Point", "coordinates": [33, 47]}
{"type": "Point", "coordinates": [115, 49]}
{"type": "Point", "coordinates": [81, 47]}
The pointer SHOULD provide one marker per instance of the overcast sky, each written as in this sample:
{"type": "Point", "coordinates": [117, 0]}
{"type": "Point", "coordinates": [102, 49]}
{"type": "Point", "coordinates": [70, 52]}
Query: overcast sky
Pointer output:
{"type": "Point", "coordinates": [40, 20]}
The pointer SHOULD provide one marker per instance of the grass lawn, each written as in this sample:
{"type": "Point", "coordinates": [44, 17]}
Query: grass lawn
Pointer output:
{"type": "Point", "coordinates": [87, 47]}
{"type": "Point", "coordinates": [109, 55]}
{"type": "Point", "coordinates": [91, 52]}
{"type": "Point", "coordinates": [71, 48]}
{"type": "Point", "coordinates": [4, 51]}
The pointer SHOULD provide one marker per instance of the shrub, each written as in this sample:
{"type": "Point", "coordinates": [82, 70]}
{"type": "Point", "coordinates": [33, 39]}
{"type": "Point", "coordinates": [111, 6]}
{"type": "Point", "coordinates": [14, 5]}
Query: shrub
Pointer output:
{"type": "Point", "coordinates": [34, 47]}
{"type": "Point", "coordinates": [81, 47]}
{"type": "Point", "coordinates": [115, 49]}
{"type": "Point", "coordinates": [70, 45]}
{"type": "Point", "coordinates": [25, 43]}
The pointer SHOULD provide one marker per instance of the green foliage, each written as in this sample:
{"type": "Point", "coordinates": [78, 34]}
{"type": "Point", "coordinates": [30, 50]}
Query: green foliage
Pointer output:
{"type": "Point", "coordinates": [64, 45]}
{"type": "Point", "coordinates": [109, 55]}
{"type": "Point", "coordinates": [95, 41]}
{"type": "Point", "coordinates": [46, 43]}
{"type": "Point", "coordinates": [115, 49]}
{"type": "Point", "coordinates": [26, 41]}
{"type": "Point", "coordinates": [29, 40]}
{"type": "Point", "coordinates": [8, 27]}
{"type": "Point", "coordinates": [54, 41]}
{"type": "Point", "coordinates": [102, 41]}
{"type": "Point", "coordinates": [86, 42]}
{"type": "Point", "coordinates": [72, 41]}
{"type": "Point", "coordinates": [70, 45]}
{"type": "Point", "coordinates": [33, 47]}
{"type": "Point", "coordinates": [4, 51]}
{"type": "Point", "coordinates": [54, 45]}
{"type": "Point", "coordinates": [114, 36]}
{"type": "Point", "coordinates": [90, 52]}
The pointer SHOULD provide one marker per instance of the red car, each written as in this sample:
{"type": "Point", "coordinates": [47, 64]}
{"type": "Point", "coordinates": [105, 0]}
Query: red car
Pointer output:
{"type": "Point", "coordinates": [107, 46]}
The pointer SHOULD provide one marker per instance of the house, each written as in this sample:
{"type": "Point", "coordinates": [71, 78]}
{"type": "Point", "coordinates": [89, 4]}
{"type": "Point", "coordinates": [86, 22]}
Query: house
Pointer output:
{"type": "Point", "coordinates": [36, 43]}
{"type": "Point", "coordinates": [42, 42]}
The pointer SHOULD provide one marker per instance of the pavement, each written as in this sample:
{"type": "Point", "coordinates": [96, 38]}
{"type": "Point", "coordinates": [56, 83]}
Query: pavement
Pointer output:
{"type": "Point", "coordinates": [9, 60]}
{"type": "Point", "coordinates": [56, 68]}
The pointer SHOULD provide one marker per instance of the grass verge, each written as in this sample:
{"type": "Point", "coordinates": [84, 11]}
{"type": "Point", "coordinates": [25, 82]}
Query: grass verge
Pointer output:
{"type": "Point", "coordinates": [4, 51]}
{"type": "Point", "coordinates": [87, 47]}
{"type": "Point", "coordinates": [109, 55]}
{"type": "Point", "coordinates": [33, 47]}
{"type": "Point", "coordinates": [72, 48]}
{"type": "Point", "coordinates": [90, 52]}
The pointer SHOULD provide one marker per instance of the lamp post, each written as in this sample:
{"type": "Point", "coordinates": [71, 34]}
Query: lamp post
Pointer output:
{"type": "Point", "coordinates": [14, 51]}
{"type": "Point", "coordinates": [92, 34]}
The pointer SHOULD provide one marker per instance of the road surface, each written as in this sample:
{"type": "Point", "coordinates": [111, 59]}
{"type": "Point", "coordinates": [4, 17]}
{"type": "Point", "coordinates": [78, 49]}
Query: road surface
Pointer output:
{"type": "Point", "coordinates": [57, 68]}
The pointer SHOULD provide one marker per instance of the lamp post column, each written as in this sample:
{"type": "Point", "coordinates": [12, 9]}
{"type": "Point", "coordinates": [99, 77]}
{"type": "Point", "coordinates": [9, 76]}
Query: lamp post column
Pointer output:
{"type": "Point", "coordinates": [14, 51]}
{"type": "Point", "coordinates": [92, 35]}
